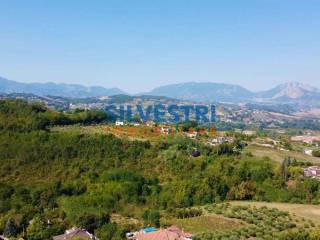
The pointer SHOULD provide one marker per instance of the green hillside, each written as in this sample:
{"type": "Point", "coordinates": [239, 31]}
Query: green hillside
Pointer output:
{"type": "Point", "coordinates": [50, 181]}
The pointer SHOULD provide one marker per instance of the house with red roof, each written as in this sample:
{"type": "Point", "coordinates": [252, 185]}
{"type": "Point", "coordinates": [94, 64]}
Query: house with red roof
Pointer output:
{"type": "Point", "coordinates": [171, 233]}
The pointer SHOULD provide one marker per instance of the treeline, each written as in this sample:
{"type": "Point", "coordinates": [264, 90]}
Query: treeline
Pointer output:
{"type": "Point", "coordinates": [20, 116]}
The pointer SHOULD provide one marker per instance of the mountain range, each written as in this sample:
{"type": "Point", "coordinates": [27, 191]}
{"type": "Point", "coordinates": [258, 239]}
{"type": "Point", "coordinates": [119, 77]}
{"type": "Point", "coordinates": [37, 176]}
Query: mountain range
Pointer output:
{"type": "Point", "coordinates": [291, 92]}
{"type": "Point", "coordinates": [209, 92]}
{"type": "Point", "coordinates": [56, 89]}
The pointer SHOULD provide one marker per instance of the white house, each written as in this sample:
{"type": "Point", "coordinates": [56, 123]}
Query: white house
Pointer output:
{"type": "Point", "coordinates": [308, 151]}
{"type": "Point", "coordinates": [119, 123]}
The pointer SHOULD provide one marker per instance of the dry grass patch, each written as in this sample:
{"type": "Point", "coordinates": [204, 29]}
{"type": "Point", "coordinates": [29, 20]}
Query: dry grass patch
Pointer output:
{"type": "Point", "coordinates": [205, 223]}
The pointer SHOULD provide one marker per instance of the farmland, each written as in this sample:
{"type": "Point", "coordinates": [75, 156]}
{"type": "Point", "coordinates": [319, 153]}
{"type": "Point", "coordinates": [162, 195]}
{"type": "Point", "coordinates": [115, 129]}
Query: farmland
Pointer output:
{"type": "Point", "coordinates": [307, 211]}
{"type": "Point", "coordinates": [278, 155]}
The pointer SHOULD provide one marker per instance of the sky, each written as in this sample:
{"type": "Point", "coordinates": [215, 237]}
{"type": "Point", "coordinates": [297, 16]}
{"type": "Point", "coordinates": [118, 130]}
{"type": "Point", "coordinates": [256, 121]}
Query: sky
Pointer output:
{"type": "Point", "coordinates": [137, 45]}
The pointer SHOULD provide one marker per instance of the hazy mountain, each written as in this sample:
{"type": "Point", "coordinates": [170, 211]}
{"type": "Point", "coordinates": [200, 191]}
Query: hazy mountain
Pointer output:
{"type": "Point", "coordinates": [55, 89]}
{"type": "Point", "coordinates": [204, 92]}
{"type": "Point", "coordinates": [290, 92]}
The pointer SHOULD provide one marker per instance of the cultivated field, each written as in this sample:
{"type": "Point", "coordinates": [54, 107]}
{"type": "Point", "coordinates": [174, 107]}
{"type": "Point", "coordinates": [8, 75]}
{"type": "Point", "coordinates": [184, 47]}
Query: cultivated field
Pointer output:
{"type": "Point", "coordinates": [309, 212]}
{"type": "Point", "coordinates": [278, 155]}
{"type": "Point", "coordinates": [206, 223]}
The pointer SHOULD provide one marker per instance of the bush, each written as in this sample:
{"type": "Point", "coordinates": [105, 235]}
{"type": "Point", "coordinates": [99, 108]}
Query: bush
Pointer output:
{"type": "Point", "coordinates": [91, 221]}
{"type": "Point", "coordinates": [152, 217]}
{"type": "Point", "coordinates": [316, 153]}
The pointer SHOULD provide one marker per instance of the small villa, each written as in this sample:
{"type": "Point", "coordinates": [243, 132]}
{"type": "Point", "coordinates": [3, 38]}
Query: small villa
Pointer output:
{"type": "Point", "coordinates": [171, 233]}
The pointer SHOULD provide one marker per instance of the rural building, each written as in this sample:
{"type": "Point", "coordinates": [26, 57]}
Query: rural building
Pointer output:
{"type": "Point", "coordinates": [249, 133]}
{"type": "Point", "coordinates": [150, 123]}
{"type": "Point", "coordinates": [166, 130]}
{"type": "Point", "coordinates": [308, 151]}
{"type": "Point", "coordinates": [192, 134]}
{"type": "Point", "coordinates": [76, 233]}
{"type": "Point", "coordinates": [171, 233]}
{"type": "Point", "coordinates": [312, 172]}
{"type": "Point", "coordinates": [218, 140]}
{"type": "Point", "coordinates": [306, 139]}
{"type": "Point", "coordinates": [119, 123]}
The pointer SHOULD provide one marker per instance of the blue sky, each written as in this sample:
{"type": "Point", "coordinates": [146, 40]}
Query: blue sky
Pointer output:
{"type": "Point", "coordinates": [137, 45]}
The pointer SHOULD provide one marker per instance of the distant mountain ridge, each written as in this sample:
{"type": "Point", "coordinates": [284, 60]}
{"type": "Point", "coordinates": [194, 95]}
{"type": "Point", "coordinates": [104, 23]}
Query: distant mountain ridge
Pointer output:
{"type": "Point", "coordinates": [290, 90]}
{"type": "Point", "coordinates": [204, 92]}
{"type": "Point", "coordinates": [56, 89]}
{"type": "Point", "coordinates": [207, 92]}
{"type": "Point", "coordinates": [218, 92]}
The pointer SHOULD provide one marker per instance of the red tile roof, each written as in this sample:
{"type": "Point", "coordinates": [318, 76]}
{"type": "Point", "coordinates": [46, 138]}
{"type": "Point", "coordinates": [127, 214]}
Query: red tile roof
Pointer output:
{"type": "Point", "coordinates": [171, 233]}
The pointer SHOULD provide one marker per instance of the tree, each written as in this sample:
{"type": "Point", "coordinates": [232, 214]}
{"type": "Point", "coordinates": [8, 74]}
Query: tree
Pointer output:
{"type": "Point", "coordinates": [11, 229]}
{"type": "Point", "coordinates": [295, 172]}
{"type": "Point", "coordinates": [316, 153]}
{"type": "Point", "coordinates": [37, 230]}
{"type": "Point", "coordinates": [315, 234]}
{"type": "Point", "coordinates": [284, 169]}
{"type": "Point", "coordinates": [91, 221]}
{"type": "Point", "coordinates": [152, 217]}
{"type": "Point", "coordinates": [311, 187]}
{"type": "Point", "coordinates": [245, 191]}
{"type": "Point", "coordinates": [107, 231]}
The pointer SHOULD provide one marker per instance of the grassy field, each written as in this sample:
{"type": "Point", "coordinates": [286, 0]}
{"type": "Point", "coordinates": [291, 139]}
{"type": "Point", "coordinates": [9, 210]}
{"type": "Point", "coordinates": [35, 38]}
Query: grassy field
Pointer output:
{"type": "Point", "coordinates": [278, 155]}
{"type": "Point", "coordinates": [205, 223]}
{"type": "Point", "coordinates": [309, 212]}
